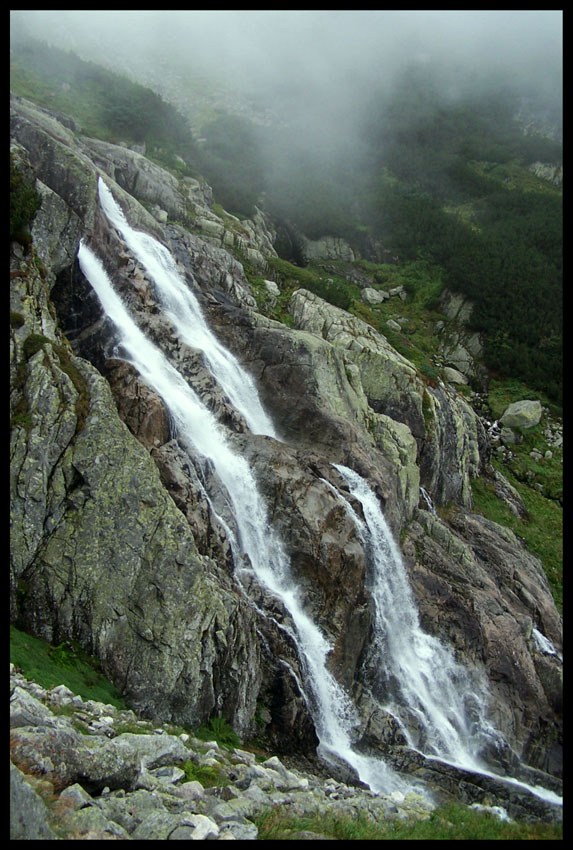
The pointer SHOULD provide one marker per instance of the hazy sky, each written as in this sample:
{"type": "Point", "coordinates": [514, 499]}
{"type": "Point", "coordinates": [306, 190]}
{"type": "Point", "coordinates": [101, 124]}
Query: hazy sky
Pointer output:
{"type": "Point", "coordinates": [316, 43]}
{"type": "Point", "coordinates": [311, 62]}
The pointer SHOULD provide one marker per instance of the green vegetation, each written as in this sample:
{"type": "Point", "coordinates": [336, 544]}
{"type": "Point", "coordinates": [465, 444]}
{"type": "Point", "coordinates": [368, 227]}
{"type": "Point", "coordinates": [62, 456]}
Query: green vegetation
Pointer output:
{"type": "Point", "coordinates": [220, 731]}
{"type": "Point", "coordinates": [208, 776]}
{"type": "Point", "coordinates": [502, 393]}
{"type": "Point", "coordinates": [331, 286]}
{"type": "Point", "coordinates": [24, 204]}
{"type": "Point", "coordinates": [16, 320]}
{"type": "Point", "coordinates": [542, 531]}
{"type": "Point", "coordinates": [447, 823]}
{"type": "Point", "coordinates": [453, 185]}
{"type": "Point", "coordinates": [421, 280]}
{"type": "Point", "coordinates": [107, 105]}
{"type": "Point", "coordinates": [66, 664]}
{"type": "Point", "coordinates": [33, 343]}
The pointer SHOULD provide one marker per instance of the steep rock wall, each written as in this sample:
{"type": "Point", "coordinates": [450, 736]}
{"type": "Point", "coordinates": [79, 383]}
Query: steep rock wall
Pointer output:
{"type": "Point", "coordinates": [98, 505]}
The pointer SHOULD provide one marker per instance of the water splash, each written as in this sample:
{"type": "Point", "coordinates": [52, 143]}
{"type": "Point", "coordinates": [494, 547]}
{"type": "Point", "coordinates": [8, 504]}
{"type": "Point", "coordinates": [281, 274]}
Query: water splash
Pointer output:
{"type": "Point", "coordinates": [441, 707]}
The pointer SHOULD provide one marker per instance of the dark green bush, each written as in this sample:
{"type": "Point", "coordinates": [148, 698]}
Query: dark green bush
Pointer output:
{"type": "Point", "coordinates": [24, 204]}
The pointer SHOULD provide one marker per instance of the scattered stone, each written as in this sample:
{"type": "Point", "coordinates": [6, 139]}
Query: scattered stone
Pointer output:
{"type": "Point", "coordinates": [160, 215]}
{"type": "Point", "coordinates": [397, 290]}
{"type": "Point", "coordinates": [106, 805]}
{"type": "Point", "coordinates": [273, 291]}
{"type": "Point", "coordinates": [509, 437]}
{"type": "Point", "coordinates": [203, 827]}
{"type": "Point", "coordinates": [394, 326]}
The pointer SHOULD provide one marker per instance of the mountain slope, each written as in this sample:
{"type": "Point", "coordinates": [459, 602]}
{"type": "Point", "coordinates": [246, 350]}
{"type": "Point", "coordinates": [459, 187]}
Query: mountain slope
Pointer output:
{"type": "Point", "coordinates": [105, 497]}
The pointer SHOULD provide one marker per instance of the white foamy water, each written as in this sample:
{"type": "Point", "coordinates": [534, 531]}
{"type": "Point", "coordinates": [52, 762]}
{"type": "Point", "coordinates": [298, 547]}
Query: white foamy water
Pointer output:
{"type": "Point", "coordinates": [428, 500]}
{"type": "Point", "coordinates": [544, 645]}
{"type": "Point", "coordinates": [419, 677]}
{"type": "Point", "coordinates": [183, 309]}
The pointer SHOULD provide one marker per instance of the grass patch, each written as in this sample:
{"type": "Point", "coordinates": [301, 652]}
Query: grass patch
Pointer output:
{"type": "Point", "coordinates": [66, 664]}
{"type": "Point", "coordinates": [332, 287]}
{"type": "Point", "coordinates": [208, 776]}
{"type": "Point", "coordinates": [451, 822]}
{"type": "Point", "coordinates": [512, 175]}
{"type": "Point", "coordinates": [542, 532]}
{"type": "Point", "coordinates": [24, 204]}
{"type": "Point", "coordinates": [504, 392]}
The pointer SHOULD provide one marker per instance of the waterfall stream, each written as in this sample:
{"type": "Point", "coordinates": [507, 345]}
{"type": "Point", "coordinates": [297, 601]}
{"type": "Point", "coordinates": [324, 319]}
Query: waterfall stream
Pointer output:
{"type": "Point", "coordinates": [182, 308]}
{"type": "Point", "coordinates": [421, 678]}
{"type": "Point", "coordinates": [440, 707]}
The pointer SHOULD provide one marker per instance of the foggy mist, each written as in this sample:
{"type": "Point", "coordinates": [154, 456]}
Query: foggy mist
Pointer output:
{"type": "Point", "coordinates": [315, 58]}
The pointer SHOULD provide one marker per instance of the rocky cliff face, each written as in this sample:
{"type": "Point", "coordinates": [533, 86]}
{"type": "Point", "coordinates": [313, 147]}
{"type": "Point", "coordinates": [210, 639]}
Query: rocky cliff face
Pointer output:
{"type": "Point", "coordinates": [113, 542]}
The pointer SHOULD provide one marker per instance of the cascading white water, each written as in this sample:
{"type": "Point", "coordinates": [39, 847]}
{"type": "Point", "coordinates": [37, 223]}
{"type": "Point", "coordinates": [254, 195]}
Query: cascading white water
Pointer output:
{"type": "Point", "coordinates": [428, 500]}
{"type": "Point", "coordinates": [544, 645]}
{"type": "Point", "coordinates": [419, 677]}
{"type": "Point", "coordinates": [183, 309]}
{"type": "Point", "coordinates": [428, 684]}
{"type": "Point", "coordinates": [333, 713]}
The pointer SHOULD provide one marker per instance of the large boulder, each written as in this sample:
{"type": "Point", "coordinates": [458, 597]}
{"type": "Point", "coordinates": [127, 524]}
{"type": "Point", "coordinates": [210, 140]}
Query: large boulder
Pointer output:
{"type": "Point", "coordinates": [327, 248]}
{"type": "Point", "coordinates": [28, 812]}
{"type": "Point", "coordinates": [522, 414]}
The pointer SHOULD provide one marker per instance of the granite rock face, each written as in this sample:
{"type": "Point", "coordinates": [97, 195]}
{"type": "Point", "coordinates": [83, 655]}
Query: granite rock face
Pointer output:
{"type": "Point", "coordinates": [480, 591]}
{"type": "Point", "coordinates": [114, 542]}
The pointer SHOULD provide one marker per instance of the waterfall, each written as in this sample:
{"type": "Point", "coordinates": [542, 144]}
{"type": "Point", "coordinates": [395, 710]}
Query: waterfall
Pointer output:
{"type": "Point", "coordinates": [441, 710]}
{"type": "Point", "coordinates": [183, 309]}
{"type": "Point", "coordinates": [440, 706]}
{"type": "Point", "coordinates": [428, 500]}
{"type": "Point", "coordinates": [419, 677]}
{"type": "Point", "coordinates": [544, 645]}
{"type": "Point", "coordinates": [334, 715]}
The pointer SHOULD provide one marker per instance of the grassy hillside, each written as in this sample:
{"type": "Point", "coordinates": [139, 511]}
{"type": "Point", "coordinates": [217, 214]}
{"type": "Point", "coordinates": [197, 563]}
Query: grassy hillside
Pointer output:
{"type": "Point", "coordinates": [107, 106]}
